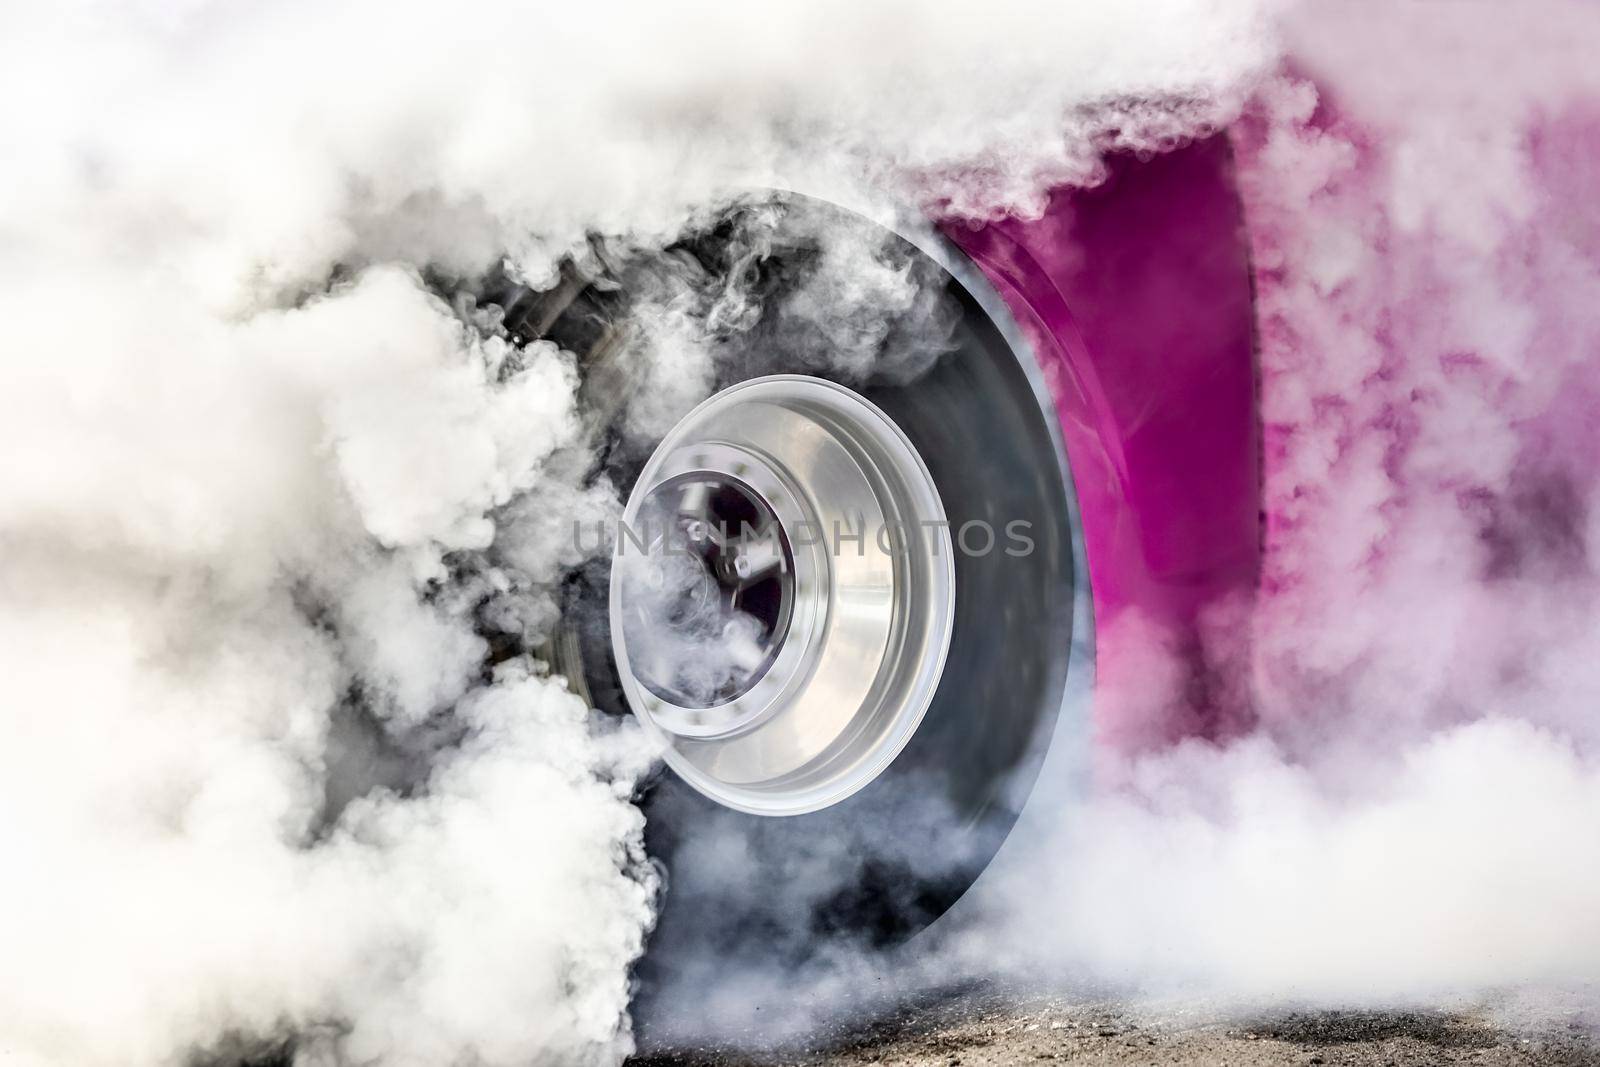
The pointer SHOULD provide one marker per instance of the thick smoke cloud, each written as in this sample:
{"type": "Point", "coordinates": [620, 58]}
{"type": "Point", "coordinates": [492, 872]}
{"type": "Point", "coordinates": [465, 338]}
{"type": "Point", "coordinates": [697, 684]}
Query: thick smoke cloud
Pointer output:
{"type": "Point", "coordinates": [283, 512]}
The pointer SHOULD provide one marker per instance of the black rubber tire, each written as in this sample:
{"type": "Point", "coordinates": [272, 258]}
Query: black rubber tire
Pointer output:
{"type": "Point", "coordinates": [745, 891]}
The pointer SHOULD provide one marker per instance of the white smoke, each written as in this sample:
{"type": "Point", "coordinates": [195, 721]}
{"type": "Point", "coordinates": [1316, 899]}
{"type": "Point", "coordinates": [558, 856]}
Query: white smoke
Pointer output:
{"type": "Point", "coordinates": [265, 489]}
{"type": "Point", "coordinates": [218, 536]}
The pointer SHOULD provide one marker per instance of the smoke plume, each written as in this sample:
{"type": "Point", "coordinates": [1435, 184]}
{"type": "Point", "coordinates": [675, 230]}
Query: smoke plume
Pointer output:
{"type": "Point", "coordinates": [283, 505]}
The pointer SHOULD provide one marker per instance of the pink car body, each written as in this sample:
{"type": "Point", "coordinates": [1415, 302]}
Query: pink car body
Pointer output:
{"type": "Point", "coordinates": [1137, 298]}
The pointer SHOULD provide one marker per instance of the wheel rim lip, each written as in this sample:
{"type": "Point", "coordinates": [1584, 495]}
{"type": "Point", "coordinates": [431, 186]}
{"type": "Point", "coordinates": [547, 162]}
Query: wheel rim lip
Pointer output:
{"type": "Point", "coordinates": [915, 643]}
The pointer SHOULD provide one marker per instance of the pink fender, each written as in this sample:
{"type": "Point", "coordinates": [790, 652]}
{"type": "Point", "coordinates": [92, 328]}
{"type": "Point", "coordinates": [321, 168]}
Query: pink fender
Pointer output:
{"type": "Point", "coordinates": [1137, 298]}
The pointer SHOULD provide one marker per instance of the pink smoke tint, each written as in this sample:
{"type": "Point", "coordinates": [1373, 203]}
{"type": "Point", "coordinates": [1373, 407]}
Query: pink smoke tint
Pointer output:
{"type": "Point", "coordinates": [1372, 778]}
{"type": "Point", "coordinates": [1431, 400]}
{"type": "Point", "coordinates": [1329, 391]}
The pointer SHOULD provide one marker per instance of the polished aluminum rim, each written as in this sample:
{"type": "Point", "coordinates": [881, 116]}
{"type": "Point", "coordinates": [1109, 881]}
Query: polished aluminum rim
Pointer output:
{"type": "Point", "coordinates": [843, 535]}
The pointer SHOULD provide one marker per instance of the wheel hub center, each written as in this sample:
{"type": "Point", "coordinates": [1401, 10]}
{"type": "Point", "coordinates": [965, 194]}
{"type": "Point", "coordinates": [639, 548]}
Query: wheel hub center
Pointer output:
{"type": "Point", "coordinates": [713, 593]}
{"type": "Point", "coordinates": [783, 594]}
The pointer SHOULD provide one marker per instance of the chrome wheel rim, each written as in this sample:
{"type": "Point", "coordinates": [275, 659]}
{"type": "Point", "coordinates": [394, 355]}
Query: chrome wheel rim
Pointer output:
{"type": "Point", "coordinates": [843, 530]}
